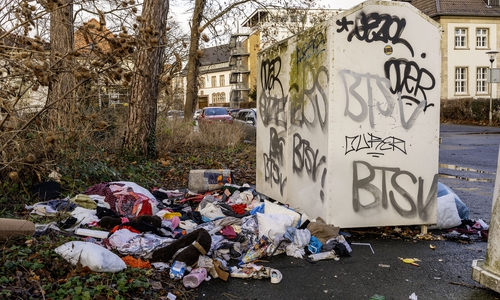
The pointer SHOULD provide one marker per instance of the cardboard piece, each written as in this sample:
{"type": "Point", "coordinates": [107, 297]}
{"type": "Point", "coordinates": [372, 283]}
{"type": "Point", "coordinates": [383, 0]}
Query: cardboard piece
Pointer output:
{"type": "Point", "coordinates": [10, 228]}
{"type": "Point", "coordinates": [221, 270]}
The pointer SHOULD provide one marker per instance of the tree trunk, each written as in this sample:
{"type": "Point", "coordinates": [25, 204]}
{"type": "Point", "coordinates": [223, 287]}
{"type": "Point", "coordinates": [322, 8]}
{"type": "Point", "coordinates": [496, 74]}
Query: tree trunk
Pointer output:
{"type": "Point", "coordinates": [62, 85]}
{"type": "Point", "coordinates": [140, 133]}
{"type": "Point", "coordinates": [193, 63]}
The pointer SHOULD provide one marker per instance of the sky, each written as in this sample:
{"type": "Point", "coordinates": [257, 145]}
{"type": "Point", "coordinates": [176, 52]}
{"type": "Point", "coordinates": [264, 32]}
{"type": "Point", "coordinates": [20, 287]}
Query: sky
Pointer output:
{"type": "Point", "coordinates": [345, 4]}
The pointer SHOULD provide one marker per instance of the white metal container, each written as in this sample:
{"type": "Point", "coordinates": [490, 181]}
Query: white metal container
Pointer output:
{"type": "Point", "coordinates": [348, 118]}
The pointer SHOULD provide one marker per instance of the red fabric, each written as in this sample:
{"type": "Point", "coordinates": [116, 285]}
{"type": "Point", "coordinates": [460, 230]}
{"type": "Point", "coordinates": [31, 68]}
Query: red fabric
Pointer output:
{"type": "Point", "coordinates": [142, 207]}
{"type": "Point", "coordinates": [239, 208]}
{"type": "Point", "coordinates": [228, 232]}
{"type": "Point", "coordinates": [117, 227]}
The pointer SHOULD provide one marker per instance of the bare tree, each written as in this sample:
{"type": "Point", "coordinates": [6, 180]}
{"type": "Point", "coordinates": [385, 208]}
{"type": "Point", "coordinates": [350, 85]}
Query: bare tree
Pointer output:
{"type": "Point", "coordinates": [209, 14]}
{"type": "Point", "coordinates": [141, 124]}
{"type": "Point", "coordinates": [62, 81]}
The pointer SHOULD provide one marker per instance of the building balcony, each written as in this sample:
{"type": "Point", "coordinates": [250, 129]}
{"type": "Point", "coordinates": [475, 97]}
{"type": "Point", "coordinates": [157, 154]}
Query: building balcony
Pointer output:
{"type": "Point", "coordinates": [241, 69]}
{"type": "Point", "coordinates": [242, 31]}
{"type": "Point", "coordinates": [239, 51]}
{"type": "Point", "coordinates": [238, 96]}
{"type": "Point", "coordinates": [240, 86]}
{"type": "Point", "coordinates": [237, 78]}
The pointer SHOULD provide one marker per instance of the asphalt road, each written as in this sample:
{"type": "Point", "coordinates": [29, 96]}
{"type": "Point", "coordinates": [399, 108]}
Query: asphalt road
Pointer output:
{"type": "Point", "coordinates": [470, 155]}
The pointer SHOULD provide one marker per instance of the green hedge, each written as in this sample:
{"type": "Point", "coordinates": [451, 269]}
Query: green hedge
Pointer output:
{"type": "Point", "coordinates": [470, 111]}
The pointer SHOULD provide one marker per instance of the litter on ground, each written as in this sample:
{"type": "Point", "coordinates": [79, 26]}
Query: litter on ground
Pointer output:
{"type": "Point", "coordinates": [222, 231]}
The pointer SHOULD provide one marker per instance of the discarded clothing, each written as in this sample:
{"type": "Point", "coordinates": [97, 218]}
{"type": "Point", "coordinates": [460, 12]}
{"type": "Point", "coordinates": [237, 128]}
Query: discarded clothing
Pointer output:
{"type": "Point", "coordinates": [323, 231]}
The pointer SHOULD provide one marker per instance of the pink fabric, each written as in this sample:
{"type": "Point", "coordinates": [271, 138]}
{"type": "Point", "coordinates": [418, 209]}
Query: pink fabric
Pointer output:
{"type": "Point", "coordinates": [175, 222]}
{"type": "Point", "coordinates": [228, 232]}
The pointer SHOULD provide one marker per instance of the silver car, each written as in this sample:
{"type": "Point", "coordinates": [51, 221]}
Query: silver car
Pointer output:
{"type": "Point", "coordinates": [247, 119]}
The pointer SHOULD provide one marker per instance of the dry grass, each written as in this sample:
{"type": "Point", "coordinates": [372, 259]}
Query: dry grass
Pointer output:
{"type": "Point", "coordinates": [173, 133]}
{"type": "Point", "coordinates": [90, 151]}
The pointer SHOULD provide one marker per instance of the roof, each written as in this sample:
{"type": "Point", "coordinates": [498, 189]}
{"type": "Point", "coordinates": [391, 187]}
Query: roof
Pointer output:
{"type": "Point", "coordinates": [21, 41]}
{"type": "Point", "coordinates": [92, 33]}
{"type": "Point", "coordinates": [215, 55]}
{"type": "Point", "coordinates": [212, 56]}
{"type": "Point", "coordinates": [471, 8]}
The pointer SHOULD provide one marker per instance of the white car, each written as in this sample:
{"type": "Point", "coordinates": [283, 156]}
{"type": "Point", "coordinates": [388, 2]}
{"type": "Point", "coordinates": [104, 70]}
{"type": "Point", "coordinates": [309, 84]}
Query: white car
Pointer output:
{"type": "Point", "coordinates": [197, 114]}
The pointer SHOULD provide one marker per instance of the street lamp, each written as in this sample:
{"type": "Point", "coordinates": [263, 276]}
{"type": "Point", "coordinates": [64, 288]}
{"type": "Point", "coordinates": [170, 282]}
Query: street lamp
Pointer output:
{"type": "Point", "coordinates": [492, 55]}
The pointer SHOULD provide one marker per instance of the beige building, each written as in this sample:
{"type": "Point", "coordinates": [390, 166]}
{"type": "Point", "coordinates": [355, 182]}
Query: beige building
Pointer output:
{"type": "Point", "coordinates": [228, 73]}
{"type": "Point", "coordinates": [470, 28]}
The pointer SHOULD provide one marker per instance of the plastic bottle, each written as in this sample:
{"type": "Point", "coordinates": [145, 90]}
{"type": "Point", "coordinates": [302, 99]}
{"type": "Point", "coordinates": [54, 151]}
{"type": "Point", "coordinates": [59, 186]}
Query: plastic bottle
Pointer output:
{"type": "Point", "coordinates": [195, 278]}
{"type": "Point", "coordinates": [177, 270]}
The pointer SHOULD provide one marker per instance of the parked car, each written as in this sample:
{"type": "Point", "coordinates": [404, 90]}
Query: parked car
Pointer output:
{"type": "Point", "coordinates": [175, 114]}
{"type": "Point", "coordinates": [248, 116]}
{"type": "Point", "coordinates": [233, 111]}
{"type": "Point", "coordinates": [197, 114]}
{"type": "Point", "coordinates": [214, 114]}
{"type": "Point", "coordinates": [247, 119]}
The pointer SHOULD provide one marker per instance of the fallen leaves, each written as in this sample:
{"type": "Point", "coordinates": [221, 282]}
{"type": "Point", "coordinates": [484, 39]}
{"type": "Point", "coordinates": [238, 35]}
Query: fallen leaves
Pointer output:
{"type": "Point", "coordinates": [411, 261]}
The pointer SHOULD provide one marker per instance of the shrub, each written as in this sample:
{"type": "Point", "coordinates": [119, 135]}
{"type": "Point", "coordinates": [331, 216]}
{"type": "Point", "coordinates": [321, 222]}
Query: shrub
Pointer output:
{"type": "Point", "coordinates": [470, 111]}
{"type": "Point", "coordinates": [89, 151]}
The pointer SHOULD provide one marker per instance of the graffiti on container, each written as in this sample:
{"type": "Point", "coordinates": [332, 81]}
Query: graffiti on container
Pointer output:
{"type": "Point", "coordinates": [310, 106]}
{"type": "Point", "coordinates": [384, 107]}
{"type": "Point", "coordinates": [311, 48]}
{"type": "Point", "coordinates": [307, 158]}
{"type": "Point", "coordinates": [274, 160]}
{"type": "Point", "coordinates": [391, 191]}
{"type": "Point", "coordinates": [412, 81]}
{"type": "Point", "coordinates": [369, 141]}
{"type": "Point", "coordinates": [375, 27]}
{"type": "Point", "coordinates": [272, 99]}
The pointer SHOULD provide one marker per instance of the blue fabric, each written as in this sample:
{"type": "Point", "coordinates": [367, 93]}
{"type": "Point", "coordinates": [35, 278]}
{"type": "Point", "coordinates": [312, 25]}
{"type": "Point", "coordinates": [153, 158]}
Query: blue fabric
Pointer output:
{"type": "Point", "coordinates": [258, 209]}
{"type": "Point", "coordinates": [463, 210]}
{"type": "Point", "coordinates": [314, 245]}
{"type": "Point", "coordinates": [300, 237]}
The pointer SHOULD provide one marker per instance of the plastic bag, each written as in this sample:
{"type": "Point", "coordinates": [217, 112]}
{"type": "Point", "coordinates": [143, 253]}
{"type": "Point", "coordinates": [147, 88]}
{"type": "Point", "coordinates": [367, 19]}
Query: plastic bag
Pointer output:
{"type": "Point", "coordinates": [97, 258]}
{"type": "Point", "coordinates": [257, 251]}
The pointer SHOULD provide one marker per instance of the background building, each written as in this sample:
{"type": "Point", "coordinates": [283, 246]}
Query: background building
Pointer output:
{"type": "Point", "coordinates": [470, 29]}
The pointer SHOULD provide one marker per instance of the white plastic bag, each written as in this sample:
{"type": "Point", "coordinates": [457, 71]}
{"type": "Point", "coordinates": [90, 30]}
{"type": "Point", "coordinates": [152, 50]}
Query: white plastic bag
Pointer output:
{"type": "Point", "coordinates": [97, 258]}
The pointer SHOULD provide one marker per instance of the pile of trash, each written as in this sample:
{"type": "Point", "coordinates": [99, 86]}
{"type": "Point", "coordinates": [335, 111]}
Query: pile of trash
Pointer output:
{"type": "Point", "coordinates": [214, 229]}
{"type": "Point", "coordinates": [219, 231]}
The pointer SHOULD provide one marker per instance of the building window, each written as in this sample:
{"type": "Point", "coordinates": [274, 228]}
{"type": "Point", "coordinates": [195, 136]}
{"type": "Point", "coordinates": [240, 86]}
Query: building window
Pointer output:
{"type": "Point", "coordinates": [214, 81]}
{"type": "Point", "coordinates": [482, 38]}
{"type": "Point", "coordinates": [460, 38]}
{"type": "Point", "coordinates": [460, 80]}
{"type": "Point", "coordinates": [482, 82]}
{"type": "Point", "coordinates": [221, 80]}
{"type": "Point", "coordinates": [202, 82]}
{"type": "Point", "coordinates": [218, 97]}
{"type": "Point", "coordinates": [215, 97]}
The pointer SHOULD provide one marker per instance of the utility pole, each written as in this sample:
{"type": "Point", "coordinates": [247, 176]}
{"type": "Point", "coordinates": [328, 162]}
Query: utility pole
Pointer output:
{"type": "Point", "coordinates": [492, 55]}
